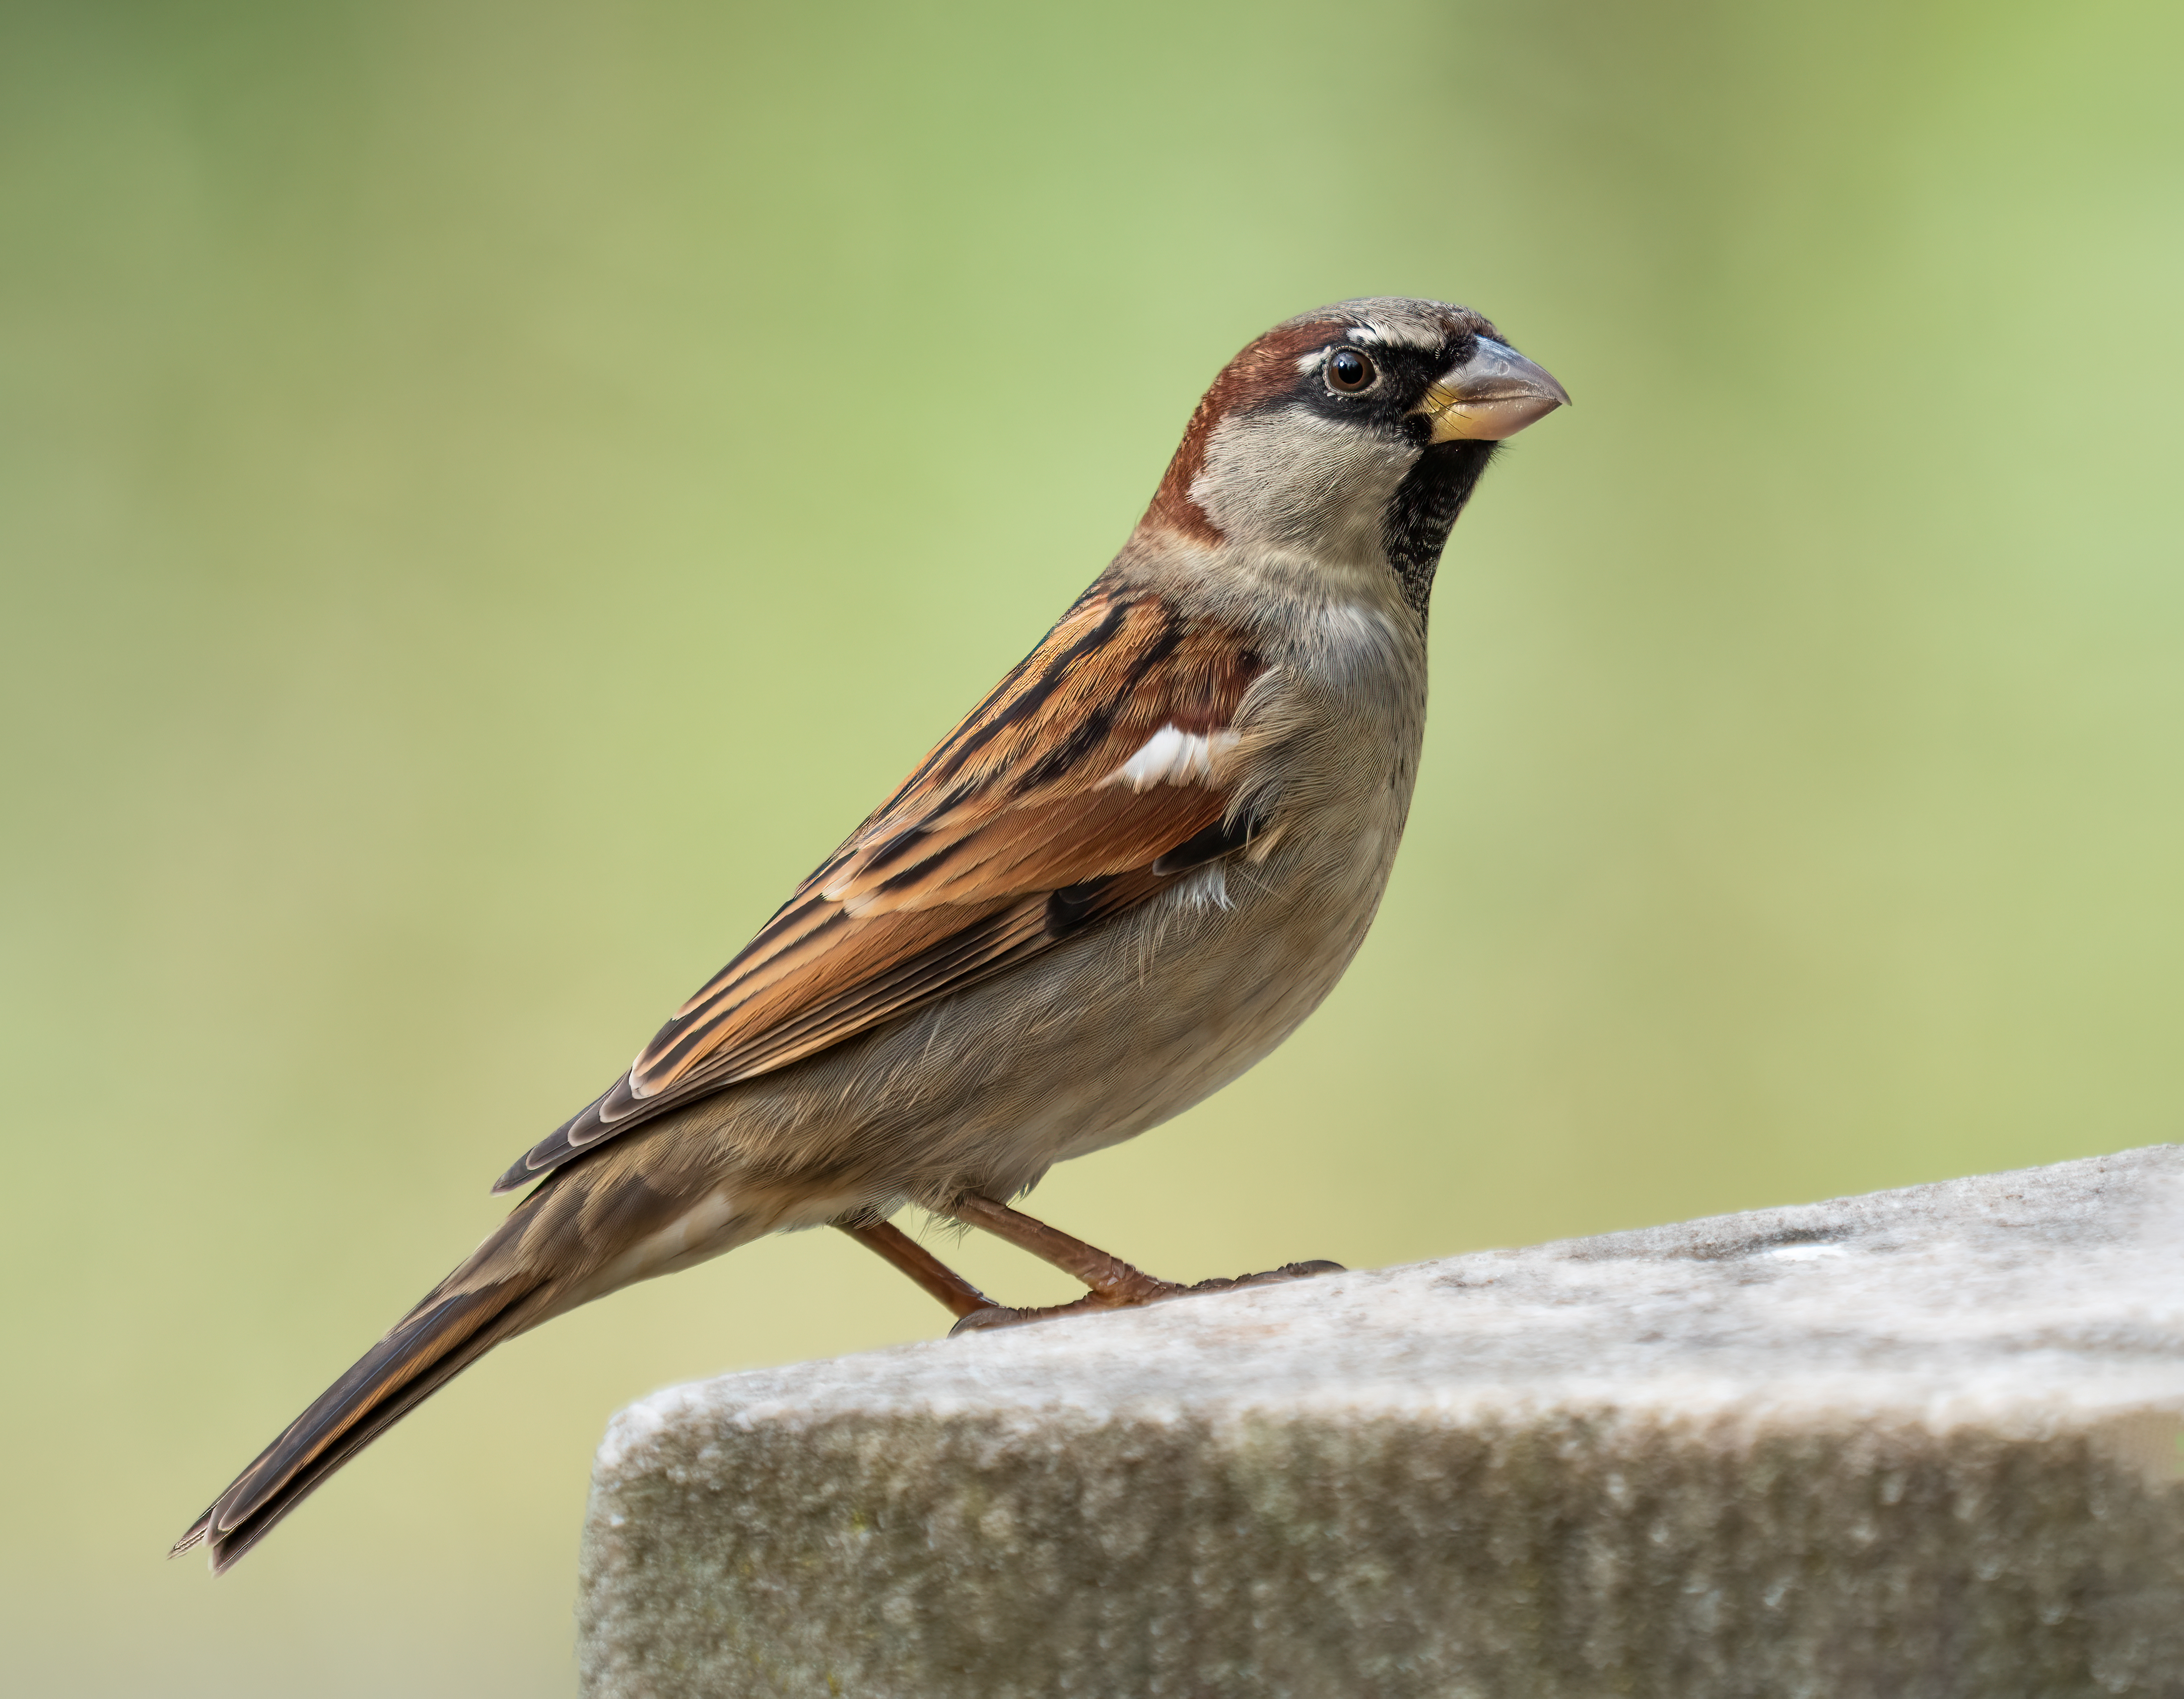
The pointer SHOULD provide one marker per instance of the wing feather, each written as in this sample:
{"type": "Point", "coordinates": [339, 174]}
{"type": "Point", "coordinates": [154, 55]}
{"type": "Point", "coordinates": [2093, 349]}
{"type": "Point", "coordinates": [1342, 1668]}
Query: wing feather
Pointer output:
{"type": "Point", "coordinates": [1020, 828]}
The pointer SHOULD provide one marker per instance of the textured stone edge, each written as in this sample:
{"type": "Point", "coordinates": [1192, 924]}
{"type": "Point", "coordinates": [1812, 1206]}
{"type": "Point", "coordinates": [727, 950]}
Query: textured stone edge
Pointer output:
{"type": "Point", "coordinates": [1585, 1551]}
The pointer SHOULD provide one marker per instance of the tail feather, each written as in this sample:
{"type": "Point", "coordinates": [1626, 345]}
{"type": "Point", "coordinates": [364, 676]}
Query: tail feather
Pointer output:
{"type": "Point", "coordinates": [427, 1349]}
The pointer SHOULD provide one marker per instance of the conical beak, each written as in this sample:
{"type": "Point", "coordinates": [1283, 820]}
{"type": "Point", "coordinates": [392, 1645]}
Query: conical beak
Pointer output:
{"type": "Point", "coordinates": [1494, 395]}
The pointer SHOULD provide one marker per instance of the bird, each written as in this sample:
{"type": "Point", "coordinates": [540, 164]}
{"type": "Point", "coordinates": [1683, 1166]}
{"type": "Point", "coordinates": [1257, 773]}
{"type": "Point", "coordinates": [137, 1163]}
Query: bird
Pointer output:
{"type": "Point", "coordinates": [1122, 880]}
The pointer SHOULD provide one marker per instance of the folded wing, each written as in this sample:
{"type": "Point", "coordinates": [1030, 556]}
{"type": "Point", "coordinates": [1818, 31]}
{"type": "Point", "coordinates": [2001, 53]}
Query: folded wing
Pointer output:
{"type": "Point", "coordinates": [1096, 773]}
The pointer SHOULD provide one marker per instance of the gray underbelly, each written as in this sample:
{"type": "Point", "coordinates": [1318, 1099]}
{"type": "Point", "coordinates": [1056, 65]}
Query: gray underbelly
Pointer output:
{"type": "Point", "coordinates": [1103, 1038]}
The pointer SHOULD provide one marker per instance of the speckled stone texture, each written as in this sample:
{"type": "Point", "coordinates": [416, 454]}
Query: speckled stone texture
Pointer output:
{"type": "Point", "coordinates": [1927, 1442]}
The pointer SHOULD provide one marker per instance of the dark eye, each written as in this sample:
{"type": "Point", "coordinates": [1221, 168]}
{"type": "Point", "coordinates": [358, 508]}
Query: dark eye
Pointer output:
{"type": "Point", "coordinates": [1348, 371]}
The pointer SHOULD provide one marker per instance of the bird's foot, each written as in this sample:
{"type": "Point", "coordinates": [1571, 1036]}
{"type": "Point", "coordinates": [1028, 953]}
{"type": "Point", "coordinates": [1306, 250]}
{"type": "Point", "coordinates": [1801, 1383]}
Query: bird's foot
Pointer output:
{"type": "Point", "coordinates": [1272, 1277]}
{"type": "Point", "coordinates": [1115, 1284]}
{"type": "Point", "coordinates": [1139, 1290]}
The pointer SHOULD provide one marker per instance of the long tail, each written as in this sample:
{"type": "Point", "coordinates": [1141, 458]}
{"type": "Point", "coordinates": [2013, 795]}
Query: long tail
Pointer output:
{"type": "Point", "coordinates": [428, 1348]}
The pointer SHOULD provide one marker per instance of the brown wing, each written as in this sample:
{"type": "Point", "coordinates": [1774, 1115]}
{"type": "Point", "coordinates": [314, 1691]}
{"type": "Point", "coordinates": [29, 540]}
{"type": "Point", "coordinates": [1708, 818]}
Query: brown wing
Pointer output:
{"type": "Point", "coordinates": [1090, 776]}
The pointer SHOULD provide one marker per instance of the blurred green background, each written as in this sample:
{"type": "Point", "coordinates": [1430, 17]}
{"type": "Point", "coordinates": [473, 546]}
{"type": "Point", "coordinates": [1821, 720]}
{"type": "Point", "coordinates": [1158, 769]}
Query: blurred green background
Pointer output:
{"type": "Point", "coordinates": [492, 491]}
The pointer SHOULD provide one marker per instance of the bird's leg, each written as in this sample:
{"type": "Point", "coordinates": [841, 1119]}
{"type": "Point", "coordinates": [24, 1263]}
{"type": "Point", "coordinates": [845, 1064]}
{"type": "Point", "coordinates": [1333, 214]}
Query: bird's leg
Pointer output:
{"type": "Point", "coordinates": [957, 1295]}
{"type": "Point", "coordinates": [1115, 1284]}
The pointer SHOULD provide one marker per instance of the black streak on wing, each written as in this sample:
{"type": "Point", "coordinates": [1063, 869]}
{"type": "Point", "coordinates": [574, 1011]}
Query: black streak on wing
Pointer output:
{"type": "Point", "coordinates": [1090, 733]}
{"type": "Point", "coordinates": [893, 849]}
{"type": "Point", "coordinates": [949, 964]}
{"type": "Point", "coordinates": [1223, 837]}
{"type": "Point", "coordinates": [950, 760]}
{"type": "Point", "coordinates": [691, 1027]}
{"type": "Point", "coordinates": [1073, 906]}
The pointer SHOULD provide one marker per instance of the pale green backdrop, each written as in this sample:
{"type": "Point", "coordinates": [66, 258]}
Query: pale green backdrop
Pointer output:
{"type": "Point", "coordinates": [491, 491]}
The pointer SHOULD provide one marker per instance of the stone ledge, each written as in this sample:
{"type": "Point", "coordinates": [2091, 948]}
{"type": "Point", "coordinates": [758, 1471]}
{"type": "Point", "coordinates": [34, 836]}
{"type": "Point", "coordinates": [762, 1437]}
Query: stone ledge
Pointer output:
{"type": "Point", "coordinates": [1926, 1442]}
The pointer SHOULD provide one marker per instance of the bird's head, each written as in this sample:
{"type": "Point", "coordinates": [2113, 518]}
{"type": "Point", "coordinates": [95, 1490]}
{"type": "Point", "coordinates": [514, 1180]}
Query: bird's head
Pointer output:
{"type": "Point", "coordinates": [1349, 437]}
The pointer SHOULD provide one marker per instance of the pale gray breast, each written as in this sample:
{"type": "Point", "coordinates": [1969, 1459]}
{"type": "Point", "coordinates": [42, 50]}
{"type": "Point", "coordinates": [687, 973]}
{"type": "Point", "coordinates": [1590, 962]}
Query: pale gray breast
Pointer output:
{"type": "Point", "coordinates": [1207, 978]}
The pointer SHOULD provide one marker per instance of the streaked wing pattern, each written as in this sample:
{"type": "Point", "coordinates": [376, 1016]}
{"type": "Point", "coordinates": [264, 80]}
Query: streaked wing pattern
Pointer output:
{"type": "Point", "coordinates": [1020, 828]}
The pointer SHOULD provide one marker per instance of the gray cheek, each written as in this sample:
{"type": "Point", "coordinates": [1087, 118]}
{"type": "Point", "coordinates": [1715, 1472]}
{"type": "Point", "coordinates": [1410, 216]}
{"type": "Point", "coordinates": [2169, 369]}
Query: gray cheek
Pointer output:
{"type": "Point", "coordinates": [1293, 478]}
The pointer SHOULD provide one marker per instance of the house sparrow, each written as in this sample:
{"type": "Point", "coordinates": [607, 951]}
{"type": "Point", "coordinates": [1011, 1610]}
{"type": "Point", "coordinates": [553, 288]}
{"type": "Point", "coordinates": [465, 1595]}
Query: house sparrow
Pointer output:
{"type": "Point", "coordinates": [1125, 877]}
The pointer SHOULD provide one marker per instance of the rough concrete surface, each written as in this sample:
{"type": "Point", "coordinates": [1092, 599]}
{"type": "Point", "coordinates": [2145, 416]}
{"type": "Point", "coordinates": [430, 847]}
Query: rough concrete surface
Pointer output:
{"type": "Point", "coordinates": [1926, 1442]}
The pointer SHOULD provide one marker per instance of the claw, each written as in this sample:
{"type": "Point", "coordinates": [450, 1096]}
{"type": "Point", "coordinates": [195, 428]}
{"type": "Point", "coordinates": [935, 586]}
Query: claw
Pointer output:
{"type": "Point", "coordinates": [1001, 1316]}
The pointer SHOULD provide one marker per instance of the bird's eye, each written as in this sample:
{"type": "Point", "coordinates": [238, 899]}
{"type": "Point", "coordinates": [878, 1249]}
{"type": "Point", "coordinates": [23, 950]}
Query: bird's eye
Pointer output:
{"type": "Point", "coordinates": [1348, 371]}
